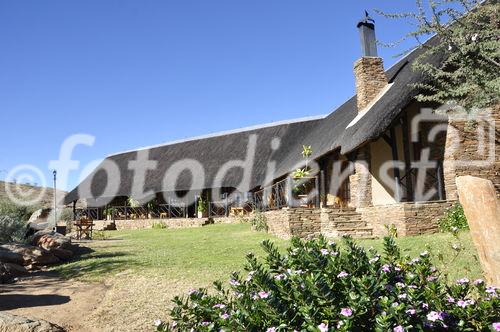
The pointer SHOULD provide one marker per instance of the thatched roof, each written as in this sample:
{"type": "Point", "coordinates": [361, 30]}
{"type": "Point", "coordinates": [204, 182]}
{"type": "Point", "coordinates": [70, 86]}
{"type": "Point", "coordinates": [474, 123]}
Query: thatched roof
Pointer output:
{"type": "Point", "coordinates": [323, 134]}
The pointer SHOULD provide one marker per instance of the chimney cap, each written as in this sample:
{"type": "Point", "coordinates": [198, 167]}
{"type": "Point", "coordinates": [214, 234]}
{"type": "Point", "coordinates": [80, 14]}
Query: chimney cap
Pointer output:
{"type": "Point", "coordinates": [367, 21]}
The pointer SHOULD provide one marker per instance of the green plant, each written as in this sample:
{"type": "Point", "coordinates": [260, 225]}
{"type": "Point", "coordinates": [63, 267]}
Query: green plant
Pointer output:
{"type": "Point", "coordinates": [468, 42]}
{"type": "Point", "coordinates": [109, 211]}
{"type": "Point", "coordinates": [320, 286]}
{"type": "Point", "coordinates": [259, 221]}
{"type": "Point", "coordinates": [202, 205]}
{"type": "Point", "coordinates": [454, 219]}
{"type": "Point", "coordinates": [132, 202]}
{"type": "Point", "coordinates": [159, 225]}
{"type": "Point", "coordinates": [13, 221]}
{"type": "Point", "coordinates": [392, 231]}
{"type": "Point", "coordinates": [100, 235]}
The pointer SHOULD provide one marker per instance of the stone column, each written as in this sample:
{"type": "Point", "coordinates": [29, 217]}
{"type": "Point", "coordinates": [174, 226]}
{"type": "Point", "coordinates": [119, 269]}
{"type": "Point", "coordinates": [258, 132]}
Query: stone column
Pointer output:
{"type": "Point", "coordinates": [370, 79]}
{"type": "Point", "coordinates": [482, 209]}
{"type": "Point", "coordinates": [361, 181]}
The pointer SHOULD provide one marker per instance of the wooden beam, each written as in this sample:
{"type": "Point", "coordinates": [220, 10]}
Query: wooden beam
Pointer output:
{"type": "Point", "coordinates": [397, 177]}
{"type": "Point", "coordinates": [407, 157]}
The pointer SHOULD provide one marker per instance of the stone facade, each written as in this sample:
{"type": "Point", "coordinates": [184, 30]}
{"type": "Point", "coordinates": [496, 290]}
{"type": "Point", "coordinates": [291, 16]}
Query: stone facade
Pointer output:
{"type": "Point", "coordinates": [407, 218]}
{"type": "Point", "coordinates": [472, 148]}
{"type": "Point", "coordinates": [360, 180]}
{"type": "Point", "coordinates": [337, 223]}
{"type": "Point", "coordinates": [169, 223]}
{"type": "Point", "coordinates": [370, 79]}
{"type": "Point", "coordinates": [301, 222]}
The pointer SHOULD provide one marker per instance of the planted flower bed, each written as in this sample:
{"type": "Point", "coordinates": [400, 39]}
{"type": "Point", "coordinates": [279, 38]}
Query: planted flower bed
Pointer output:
{"type": "Point", "coordinates": [320, 286]}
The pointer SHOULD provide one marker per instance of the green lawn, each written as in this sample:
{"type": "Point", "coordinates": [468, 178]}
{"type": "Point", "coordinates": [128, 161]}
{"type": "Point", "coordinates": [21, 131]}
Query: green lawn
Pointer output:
{"type": "Point", "coordinates": [202, 255]}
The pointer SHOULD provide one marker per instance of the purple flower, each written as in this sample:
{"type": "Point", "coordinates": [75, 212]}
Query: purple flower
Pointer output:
{"type": "Point", "coordinates": [224, 315]}
{"type": "Point", "coordinates": [340, 324]}
{"type": "Point", "coordinates": [415, 260]}
{"type": "Point", "coordinates": [496, 326]}
{"type": "Point", "coordinates": [463, 281]}
{"type": "Point", "coordinates": [219, 306]}
{"type": "Point", "coordinates": [342, 274]}
{"type": "Point", "coordinates": [402, 296]}
{"type": "Point", "coordinates": [323, 327]}
{"type": "Point", "coordinates": [233, 282]}
{"type": "Point", "coordinates": [271, 329]}
{"type": "Point", "coordinates": [434, 316]}
{"type": "Point", "coordinates": [411, 312]}
{"type": "Point", "coordinates": [192, 291]}
{"type": "Point", "coordinates": [424, 254]}
{"type": "Point", "coordinates": [331, 243]}
{"type": "Point", "coordinates": [263, 295]}
{"type": "Point", "coordinates": [386, 268]}
{"type": "Point", "coordinates": [431, 278]}
{"type": "Point", "coordinates": [450, 299]}
{"type": "Point", "coordinates": [279, 277]}
{"type": "Point", "coordinates": [425, 306]}
{"type": "Point", "coordinates": [478, 282]}
{"type": "Point", "coordinates": [394, 304]}
{"type": "Point", "coordinates": [397, 268]}
{"type": "Point", "coordinates": [374, 259]}
{"type": "Point", "coordinates": [400, 285]}
{"type": "Point", "coordinates": [346, 312]}
{"type": "Point", "coordinates": [325, 252]}
{"type": "Point", "coordinates": [205, 323]}
{"type": "Point", "coordinates": [157, 322]}
{"type": "Point", "coordinates": [250, 275]}
{"type": "Point", "coordinates": [491, 290]}
{"type": "Point", "coordinates": [398, 328]}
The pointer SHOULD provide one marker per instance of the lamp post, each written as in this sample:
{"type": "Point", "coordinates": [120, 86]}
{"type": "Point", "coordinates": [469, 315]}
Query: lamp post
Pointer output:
{"type": "Point", "coordinates": [55, 200]}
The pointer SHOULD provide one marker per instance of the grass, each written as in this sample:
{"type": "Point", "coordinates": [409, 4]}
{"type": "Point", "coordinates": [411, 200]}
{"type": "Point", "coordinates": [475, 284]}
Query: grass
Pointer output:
{"type": "Point", "coordinates": [202, 255]}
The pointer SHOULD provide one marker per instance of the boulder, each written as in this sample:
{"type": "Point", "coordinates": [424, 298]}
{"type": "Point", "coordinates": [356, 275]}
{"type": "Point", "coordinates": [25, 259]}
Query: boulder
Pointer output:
{"type": "Point", "coordinates": [7, 256]}
{"type": "Point", "coordinates": [50, 240]}
{"type": "Point", "coordinates": [32, 255]}
{"type": "Point", "coordinates": [482, 209]}
{"type": "Point", "coordinates": [9, 271]}
{"type": "Point", "coordinates": [14, 323]}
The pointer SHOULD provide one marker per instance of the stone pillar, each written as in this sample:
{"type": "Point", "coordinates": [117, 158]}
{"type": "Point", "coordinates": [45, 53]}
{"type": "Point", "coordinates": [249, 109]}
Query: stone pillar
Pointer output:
{"type": "Point", "coordinates": [370, 79]}
{"type": "Point", "coordinates": [482, 209]}
{"type": "Point", "coordinates": [360, 181]}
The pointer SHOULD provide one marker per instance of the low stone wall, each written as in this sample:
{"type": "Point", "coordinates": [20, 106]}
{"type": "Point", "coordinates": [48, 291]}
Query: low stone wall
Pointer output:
{"type": "Point", "coordinates": [171, 223]}
{"type": "Point", "coordinates": [302, 222]}
{"type": "Point", "coordinates": [422, 218]}
{"type": "Point", "coordinates": [408, 218]}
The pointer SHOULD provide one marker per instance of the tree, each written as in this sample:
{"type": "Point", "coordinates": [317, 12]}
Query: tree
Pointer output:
{"type": "Point", "coordinates": [468, 33]}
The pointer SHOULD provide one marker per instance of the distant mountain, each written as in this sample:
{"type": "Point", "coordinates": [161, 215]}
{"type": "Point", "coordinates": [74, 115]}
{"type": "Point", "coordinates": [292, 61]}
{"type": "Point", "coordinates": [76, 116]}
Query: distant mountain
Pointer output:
{"type": "Point", "coordinates": [26, 192]}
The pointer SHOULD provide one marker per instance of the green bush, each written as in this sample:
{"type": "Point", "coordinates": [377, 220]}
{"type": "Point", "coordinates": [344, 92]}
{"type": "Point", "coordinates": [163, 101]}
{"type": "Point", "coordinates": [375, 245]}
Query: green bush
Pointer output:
{"type": "Point", "coordinates": [159, 225]}
{"type": "Point", "coordinates": [259, 221]}
{"type": "Point", "coordinates": [320, 286]}
{"type": "Point", "coordinates": [100, 235]}
{"type": "Point", "coordinates": [454, 219]}
{"type": "Point", "coordinates": [13, 221]}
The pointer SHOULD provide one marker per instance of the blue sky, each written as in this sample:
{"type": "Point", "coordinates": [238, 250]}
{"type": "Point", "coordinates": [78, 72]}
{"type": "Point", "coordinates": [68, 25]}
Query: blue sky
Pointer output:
{"type": "Point", "coordinates": [138, 73]}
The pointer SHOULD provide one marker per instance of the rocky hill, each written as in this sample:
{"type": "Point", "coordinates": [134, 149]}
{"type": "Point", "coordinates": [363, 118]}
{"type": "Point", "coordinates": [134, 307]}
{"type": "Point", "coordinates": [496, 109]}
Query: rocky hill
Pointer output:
{"type": "Point", "coordinates": [25, 192]}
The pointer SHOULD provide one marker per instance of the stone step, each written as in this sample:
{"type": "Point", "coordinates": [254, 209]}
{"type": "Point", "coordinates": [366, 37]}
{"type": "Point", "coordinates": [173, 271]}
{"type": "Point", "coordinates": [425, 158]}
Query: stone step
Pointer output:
{"type": "Point", "coordinates": [349, 224]}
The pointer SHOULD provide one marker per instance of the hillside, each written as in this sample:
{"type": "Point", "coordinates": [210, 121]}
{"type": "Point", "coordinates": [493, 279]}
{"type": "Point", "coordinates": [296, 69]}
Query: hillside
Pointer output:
{"type": "Point", "coordinates": [30, 192]}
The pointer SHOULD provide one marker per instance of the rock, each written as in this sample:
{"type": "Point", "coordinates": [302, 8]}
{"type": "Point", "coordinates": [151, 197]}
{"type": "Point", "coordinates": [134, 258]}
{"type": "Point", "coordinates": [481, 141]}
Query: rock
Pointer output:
{"type": "Point", "coordinates": [7, 256]}
{"type": "Point", "coordinates": [32, 255]}
{"type": "Point", "coordinates": [13, 323]}
{"type": "Point", "coordinates": [9, 271]}
{"type": "Point", "coordinates": [62, 254]}
{"type": "Point", "coordinates": [50, 240]}
{"type": "Point", "coordinates": [482, 209]}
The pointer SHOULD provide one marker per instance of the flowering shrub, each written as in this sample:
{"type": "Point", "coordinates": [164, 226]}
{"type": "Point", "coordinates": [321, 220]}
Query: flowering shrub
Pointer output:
{"type": "Point", "coordinates": [318, 286]}
{"type": "Point", "coordinates": [454, 219]}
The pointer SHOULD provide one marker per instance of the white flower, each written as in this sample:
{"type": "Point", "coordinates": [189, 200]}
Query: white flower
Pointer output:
{"type": "Point", "coordinates": [157, 322]}
{"type": "Point", "coordinates": [474, 37]}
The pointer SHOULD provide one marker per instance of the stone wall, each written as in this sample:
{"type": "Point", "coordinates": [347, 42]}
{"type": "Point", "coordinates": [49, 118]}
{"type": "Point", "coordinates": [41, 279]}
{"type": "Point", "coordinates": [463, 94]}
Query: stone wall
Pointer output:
{"type": "Point", "coordinates": [422, 218]}
{"type": "Point", "coordinates": [169, 223]}
{"type": "Point", "coordinates": [408, 218]}
{"type": "Point", "coordinates": [302, 222]}
{"type": "Point", "coordinates": [370, 79]}
{"type": "Point", "coordinates": [360, 181]}
{"type": "Point", "coordinates": [467, 153]}
{"type": "Point", "coordinates": [336, 223]}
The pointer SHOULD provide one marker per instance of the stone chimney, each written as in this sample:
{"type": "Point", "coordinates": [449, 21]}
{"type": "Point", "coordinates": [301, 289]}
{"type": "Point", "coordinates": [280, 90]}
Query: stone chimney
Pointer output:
{"type": "Point", "coordinates": [369, 69]}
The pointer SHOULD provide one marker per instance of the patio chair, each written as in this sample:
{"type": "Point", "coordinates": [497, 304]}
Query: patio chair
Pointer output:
{"type": "Point", "coordinates": [84, 228]}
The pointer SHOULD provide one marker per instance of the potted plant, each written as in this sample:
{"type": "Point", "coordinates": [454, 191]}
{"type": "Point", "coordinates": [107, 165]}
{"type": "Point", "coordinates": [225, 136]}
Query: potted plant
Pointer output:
{"type": "Point", "coordinates": [109, 212]}
{"type": "Point", "coordinates": [202, 208]}
{"type": "Point", "coordinates": [300, 187]}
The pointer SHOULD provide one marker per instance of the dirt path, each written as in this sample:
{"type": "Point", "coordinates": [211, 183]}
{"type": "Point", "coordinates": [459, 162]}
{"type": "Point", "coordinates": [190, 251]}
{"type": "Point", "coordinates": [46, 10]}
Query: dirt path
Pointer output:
{"type": "Point", "coordinates": [46, 296]}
